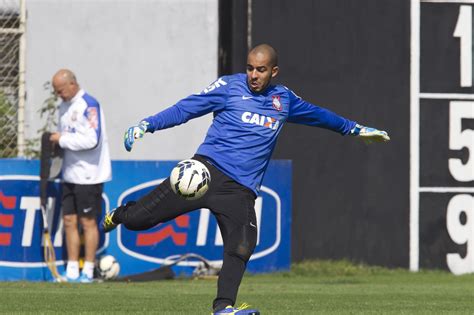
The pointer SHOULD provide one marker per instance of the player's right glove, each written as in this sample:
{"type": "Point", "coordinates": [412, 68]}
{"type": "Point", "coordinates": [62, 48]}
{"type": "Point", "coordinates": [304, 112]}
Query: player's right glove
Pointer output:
{"type": "Point", "coordinates": [133, 133]}
{"type": "Point", "coordinates": [370, 135]}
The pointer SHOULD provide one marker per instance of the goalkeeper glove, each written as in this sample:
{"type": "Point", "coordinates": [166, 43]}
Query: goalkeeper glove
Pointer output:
{"type": "Point", "coordinates": [133, 133]}
{"type": "Point", "coordinates": [369, 135]}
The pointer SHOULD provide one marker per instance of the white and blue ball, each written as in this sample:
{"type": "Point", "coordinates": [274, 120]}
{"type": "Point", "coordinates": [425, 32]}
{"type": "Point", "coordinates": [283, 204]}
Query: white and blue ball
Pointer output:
{"type": "Point", "coordinates": [109, 267]}
{"type": "Point", "coordinates": [190, 179]}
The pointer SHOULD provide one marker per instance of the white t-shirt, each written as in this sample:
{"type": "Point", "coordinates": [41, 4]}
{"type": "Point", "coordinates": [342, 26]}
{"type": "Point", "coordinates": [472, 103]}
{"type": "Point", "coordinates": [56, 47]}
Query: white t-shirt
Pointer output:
{"type": "Point", "coordinates": [84, 140]}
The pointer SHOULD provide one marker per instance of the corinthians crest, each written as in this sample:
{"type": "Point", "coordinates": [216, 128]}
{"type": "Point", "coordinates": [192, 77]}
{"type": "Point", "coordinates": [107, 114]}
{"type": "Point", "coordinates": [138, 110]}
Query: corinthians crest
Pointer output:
{"type": "Point", "coordinates": [276, 102]}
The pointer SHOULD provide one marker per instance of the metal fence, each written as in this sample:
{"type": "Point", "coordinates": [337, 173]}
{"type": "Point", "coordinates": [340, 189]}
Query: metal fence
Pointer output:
{"type": "Point", "coordinates": [12, 77]}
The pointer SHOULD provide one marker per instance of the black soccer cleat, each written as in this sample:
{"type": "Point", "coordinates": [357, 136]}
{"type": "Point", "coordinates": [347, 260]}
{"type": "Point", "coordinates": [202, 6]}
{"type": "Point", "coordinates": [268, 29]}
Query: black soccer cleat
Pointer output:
{"type": "Point", "coordinates": [107, 224]}
{"type": "Point", "coordinates": [241, 310]}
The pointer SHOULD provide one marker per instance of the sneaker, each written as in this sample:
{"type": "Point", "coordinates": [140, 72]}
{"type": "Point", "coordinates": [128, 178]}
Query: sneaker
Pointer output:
{"type": "Point", "coordinates": [107, 224]}
{"type": "Point", "coordinates": [241, 310]}
{"type": "Point", "coordinates": [64, 278]}
{"type": "Point", "coordinates": [84, 279]}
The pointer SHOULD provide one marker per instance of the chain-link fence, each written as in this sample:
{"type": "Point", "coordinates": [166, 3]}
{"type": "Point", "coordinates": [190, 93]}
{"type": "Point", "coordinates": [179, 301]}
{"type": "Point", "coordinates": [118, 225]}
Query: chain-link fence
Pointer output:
{"type": "Point", "coordinates": [12, 88]}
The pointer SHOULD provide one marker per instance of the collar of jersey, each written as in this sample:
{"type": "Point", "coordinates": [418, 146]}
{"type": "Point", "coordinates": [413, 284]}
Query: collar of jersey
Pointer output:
{"type": "Point", "coordinates": [266, 92]}
{"type": "Point", "coordinates": [78, 95]}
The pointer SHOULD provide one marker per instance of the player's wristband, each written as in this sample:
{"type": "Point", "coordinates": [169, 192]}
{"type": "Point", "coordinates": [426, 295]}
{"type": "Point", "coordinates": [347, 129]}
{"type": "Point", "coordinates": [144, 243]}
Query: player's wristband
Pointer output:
{"type": "Point", "coordinates": [356, 130]}
{"type": "Point", "coordinates": [145, 126]}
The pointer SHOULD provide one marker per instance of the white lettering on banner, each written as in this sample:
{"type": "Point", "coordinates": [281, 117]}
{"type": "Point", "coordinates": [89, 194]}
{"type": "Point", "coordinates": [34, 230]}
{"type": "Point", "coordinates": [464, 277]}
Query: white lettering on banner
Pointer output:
{"type": "Point", "coordinates": [203, 226]}
{"type": "Point", "coordinates": [31, 205]}
{"type": "Point", "coordinates": [58, 236]}
{"type": "Point", "coordinates": [215, 85]}
{"type": "Point", "coordinates": [459, 139]}
{"type": "Point", "coordinates": [218, 240]}
{"type": "Point", "coordinates": [258, 214]}
{"type": "Point", "coordinates": [461, 233]}
{"type": "Point", "coordinates": [51, 202]}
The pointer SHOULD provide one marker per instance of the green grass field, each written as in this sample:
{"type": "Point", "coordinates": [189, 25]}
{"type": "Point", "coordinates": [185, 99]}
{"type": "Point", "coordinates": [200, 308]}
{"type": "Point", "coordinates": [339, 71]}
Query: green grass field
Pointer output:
{"type": "Point", "coordinates": [310, 288]}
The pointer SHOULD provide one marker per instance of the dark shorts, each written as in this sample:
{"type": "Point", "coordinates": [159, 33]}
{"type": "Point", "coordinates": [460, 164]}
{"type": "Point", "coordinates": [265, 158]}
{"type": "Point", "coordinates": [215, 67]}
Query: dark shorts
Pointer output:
{"type": "Point", "coordinates": [83, 200]}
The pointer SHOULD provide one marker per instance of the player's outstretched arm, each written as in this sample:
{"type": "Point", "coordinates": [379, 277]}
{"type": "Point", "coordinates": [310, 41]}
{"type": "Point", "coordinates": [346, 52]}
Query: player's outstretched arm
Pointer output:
{"type": "Point", "coordinates": [133, 133]}
{"type": "Point", "coordinates": [369, 135]}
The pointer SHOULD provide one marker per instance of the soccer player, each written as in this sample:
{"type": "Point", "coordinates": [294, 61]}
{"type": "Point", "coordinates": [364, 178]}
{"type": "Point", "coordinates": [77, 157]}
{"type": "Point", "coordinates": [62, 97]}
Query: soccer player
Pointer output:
{"type": "Point", "coordinates": [86, 166]}
{"type": "Point", "coordinates": [249, 114]}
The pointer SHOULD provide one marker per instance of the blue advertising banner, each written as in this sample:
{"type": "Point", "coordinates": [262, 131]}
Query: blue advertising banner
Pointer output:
{"type": "Point", "coordinates": [21, 244]}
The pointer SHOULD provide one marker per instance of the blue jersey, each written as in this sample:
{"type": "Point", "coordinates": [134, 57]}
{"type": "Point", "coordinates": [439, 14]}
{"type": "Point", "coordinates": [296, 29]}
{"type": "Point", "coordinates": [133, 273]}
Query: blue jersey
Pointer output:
{"type": "Point", "coordinates": [246, 125]}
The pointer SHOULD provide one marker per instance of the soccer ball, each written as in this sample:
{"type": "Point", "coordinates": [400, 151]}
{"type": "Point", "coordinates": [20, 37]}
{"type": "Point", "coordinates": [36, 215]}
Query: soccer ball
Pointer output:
{"type": "Point", "coordinates": [109, 267]}
{"type": "Point", "coordinates": [190, 179]}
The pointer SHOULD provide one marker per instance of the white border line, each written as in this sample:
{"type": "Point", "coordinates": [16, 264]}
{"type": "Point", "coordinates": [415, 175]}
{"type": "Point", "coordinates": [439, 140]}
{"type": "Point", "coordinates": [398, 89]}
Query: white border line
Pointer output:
{"type": "Point", "coordinates": [447, 96]}
{"type": "Point", "coordinates": [29, 264]}
{"type": "Point", "coordinates": [448, 1]}
{"type": "Point", "coordinates": [275, 245]}
{"type": "Point", "coordinates": [414, 133]}
{"type": "Point", "coordinates": [469, 190]}
{"type": "Point", "coordinates": [415, 96]}
{"type": "Point", "coordinates": [122, 247]}
{"type": "Point", "coordinates": [161, 261]}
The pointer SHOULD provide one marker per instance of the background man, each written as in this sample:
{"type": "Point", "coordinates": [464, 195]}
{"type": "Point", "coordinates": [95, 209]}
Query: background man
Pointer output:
{"type": "Point", "coordinates": [86, 166]}
{"type": "Point", "coordinates": [249, 114]}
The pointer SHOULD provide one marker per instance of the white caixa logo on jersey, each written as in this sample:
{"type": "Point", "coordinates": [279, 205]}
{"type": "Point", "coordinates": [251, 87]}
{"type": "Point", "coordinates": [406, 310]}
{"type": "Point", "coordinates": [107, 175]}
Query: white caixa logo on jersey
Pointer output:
{"type": "Point", "coordinates": [197, 231]}
{"type": "Point", "coordinates": [260, 120]}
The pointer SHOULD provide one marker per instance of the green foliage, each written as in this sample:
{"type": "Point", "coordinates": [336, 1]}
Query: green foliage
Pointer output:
{"type": "Point", "coordinates": [8, 127]}
{"type": "Point", "coordinates": [49, 109]}
{"type": "Point", "coordinates": [48, 112]}
{"type": "Point", "coordinates": [334, 268]}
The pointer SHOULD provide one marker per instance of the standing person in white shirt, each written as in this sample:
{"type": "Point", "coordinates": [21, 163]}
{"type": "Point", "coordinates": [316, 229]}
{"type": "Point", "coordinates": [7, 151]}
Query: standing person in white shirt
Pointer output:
{"type": "Point", "coordinates": [86, 167]}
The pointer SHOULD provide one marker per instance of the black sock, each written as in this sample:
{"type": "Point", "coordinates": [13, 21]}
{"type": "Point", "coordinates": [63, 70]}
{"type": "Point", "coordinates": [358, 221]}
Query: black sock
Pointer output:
{"type": "Point", "coordinates": [116, 218]}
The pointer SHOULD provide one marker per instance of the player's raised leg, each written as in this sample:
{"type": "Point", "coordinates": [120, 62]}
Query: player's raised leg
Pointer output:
{"type": "Point", "coordinates": [159, 205]}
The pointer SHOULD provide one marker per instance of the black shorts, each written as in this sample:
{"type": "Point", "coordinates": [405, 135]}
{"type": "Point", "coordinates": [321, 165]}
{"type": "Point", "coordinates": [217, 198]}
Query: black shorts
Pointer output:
{"type": "Point", "coordinates": [83, 200]}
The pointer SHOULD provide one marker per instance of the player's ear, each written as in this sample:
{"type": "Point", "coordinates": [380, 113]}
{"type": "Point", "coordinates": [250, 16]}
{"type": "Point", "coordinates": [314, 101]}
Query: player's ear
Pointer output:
{"type": "Point", "coordinates": [275, 71]}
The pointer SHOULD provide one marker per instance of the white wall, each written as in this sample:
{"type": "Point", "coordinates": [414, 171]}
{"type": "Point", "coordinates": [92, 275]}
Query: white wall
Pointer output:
{"type": "Point", "coordinates": [136, 57]}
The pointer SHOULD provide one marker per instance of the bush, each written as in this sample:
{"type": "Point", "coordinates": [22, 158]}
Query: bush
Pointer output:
{"type": "Point", "coordinates": [8, 127]}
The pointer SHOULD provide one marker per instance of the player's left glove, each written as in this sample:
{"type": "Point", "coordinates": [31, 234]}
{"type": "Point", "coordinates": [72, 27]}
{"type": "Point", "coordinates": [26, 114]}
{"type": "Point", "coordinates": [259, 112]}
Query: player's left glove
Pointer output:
{"type": "Point", "coordinates": [133, 133]}
{"type": "Point", "coordinates": [370, 135]}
